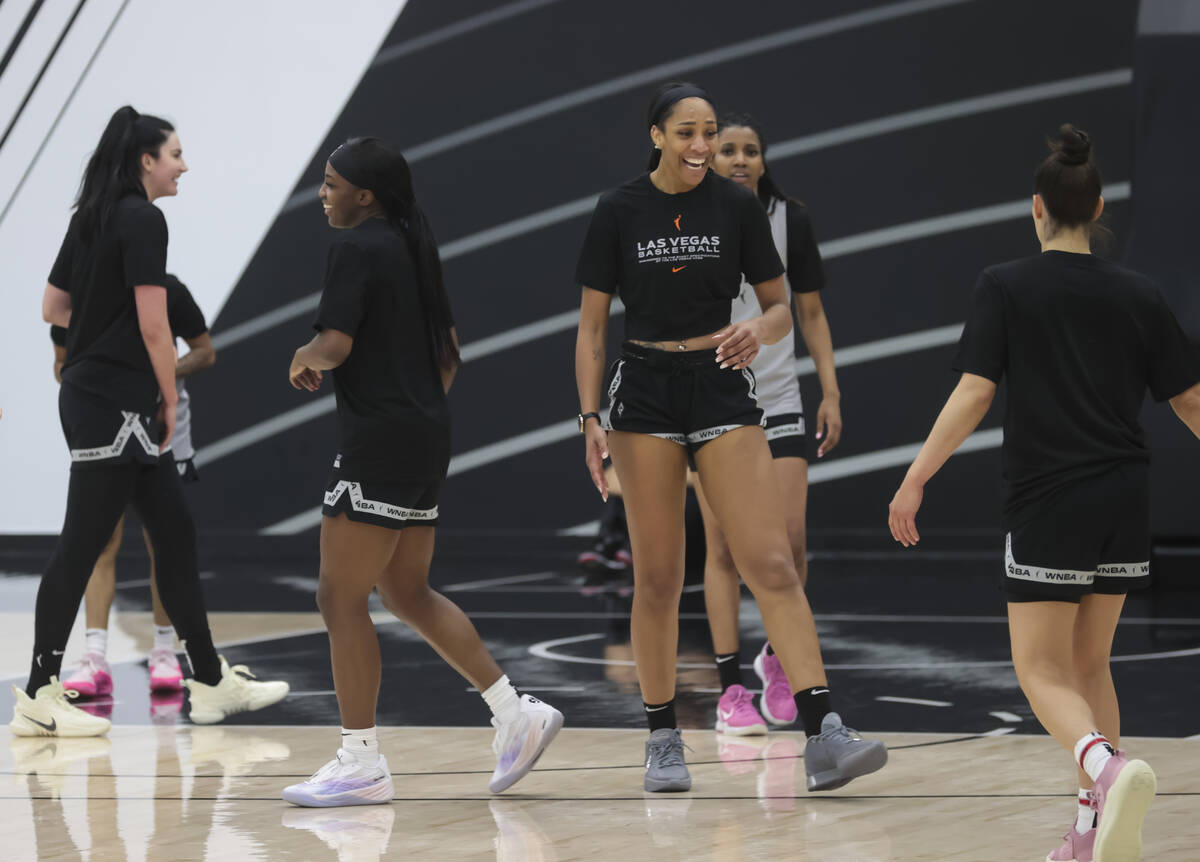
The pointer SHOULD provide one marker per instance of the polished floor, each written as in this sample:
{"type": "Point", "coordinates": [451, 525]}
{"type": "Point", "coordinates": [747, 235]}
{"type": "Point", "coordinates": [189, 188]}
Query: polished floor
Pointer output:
{"type": "Point", "coordinates": [916, 646]}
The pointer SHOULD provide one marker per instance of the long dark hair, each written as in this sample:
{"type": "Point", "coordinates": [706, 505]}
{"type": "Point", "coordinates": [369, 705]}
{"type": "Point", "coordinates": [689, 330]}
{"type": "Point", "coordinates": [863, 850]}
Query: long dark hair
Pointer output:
{"type": "Point", "coordinates": [662, 105]}
{"type": "Point", "coordinates": [115, 168]}
{"type": "Point", "coordinates": [1068, 180]}
{"type": "Point", "coordinates": [387, 175]}
{"type": "Point", "coordinates": [769, 191]}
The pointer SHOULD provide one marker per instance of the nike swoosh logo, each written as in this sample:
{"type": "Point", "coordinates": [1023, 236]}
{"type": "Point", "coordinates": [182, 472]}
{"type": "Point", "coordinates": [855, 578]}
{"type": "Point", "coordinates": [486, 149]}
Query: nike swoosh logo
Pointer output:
{"type": "Point", "coordinates": [656, 708]}
{"type": "Point", "coordinates": [727, 658]}
{"type": "Point", "coordinates": [677, 268]}
{"type": "Point", "coordinates": [51, 727]}
{"type": "Point", "coordinates": [819, 691]}
{"type": "Point", "coordinates": [725, 716]}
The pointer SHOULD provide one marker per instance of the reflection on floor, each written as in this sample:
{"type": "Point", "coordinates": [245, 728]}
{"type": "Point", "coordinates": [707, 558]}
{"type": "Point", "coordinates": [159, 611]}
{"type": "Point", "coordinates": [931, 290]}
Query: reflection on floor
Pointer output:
{"type": "Point", "coordinates": [213, 793]}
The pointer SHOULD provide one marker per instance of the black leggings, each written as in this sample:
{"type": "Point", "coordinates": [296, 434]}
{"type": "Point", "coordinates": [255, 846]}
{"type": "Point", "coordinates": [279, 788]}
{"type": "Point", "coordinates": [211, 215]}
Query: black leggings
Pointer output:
{"type": "Point", "coordinates": [96, 499]}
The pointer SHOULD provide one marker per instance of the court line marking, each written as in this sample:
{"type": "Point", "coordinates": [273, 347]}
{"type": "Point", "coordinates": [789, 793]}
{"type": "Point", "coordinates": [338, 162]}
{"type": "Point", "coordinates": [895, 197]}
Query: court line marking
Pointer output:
{"type": "Point", "coordinates": [1006, 716]}
{"type": "Point", "coordinates": [678, 798]}
{"type": "Point", "coordinates": [547, 650]}
{"type": "Point", "coordinates": [1001, 731]}
{"type": "Point", "coordinates": [652, 75]}
{"type": "Point", "coordinates": [494, 582]}
{"type": "Point", "coordinates": [145, 582]}
{"type": "Point", "coordinates": [782, 150]}
{"type": "Point", "coordinates": [916, 701]}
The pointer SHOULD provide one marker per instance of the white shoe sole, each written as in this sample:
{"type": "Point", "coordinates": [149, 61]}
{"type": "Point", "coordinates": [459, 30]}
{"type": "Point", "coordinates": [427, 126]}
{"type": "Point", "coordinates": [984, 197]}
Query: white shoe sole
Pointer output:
{"type": "Point", "coordinates": [380, 793]}
{"type": "Point", "coordinates": [553, 726]}
{"type": "Point", "coordinates": [746, 730]}
{"type": "Point", "coordinates": [762, 701]}
{"type": "Point", "coordinates": [1119, 833]}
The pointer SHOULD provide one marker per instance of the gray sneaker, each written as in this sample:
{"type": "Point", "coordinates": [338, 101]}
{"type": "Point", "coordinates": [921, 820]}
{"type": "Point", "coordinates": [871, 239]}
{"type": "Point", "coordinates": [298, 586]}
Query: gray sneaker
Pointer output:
{"type": "Point", "coordinates": [665, 769]}
{"type": "Point", "coordinates": [837, 755]}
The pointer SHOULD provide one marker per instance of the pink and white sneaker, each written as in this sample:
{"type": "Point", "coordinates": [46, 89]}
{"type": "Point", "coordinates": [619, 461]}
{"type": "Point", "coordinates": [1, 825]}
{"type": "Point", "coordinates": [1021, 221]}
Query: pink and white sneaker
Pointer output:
{"type": "Point", "coordinates": [1076, 847]}
{"type": "Point", "coordinates": [776, 703]}
{"type": "Point", "coordinates": [165, 673]}
{"type": "Point", "coordinates": [1123, 792]}
{"type": "Point", "coordinates": [91, 676]}
{"type": "Point", "coordinates": [736, 714]}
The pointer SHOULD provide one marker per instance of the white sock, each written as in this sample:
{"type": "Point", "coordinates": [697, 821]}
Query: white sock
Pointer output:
{"type": "Point", "coordinates": [1092, 753]}
{"type": "Point", "coordinates": [362, 745]}
{"type": "Point", "coordinates": [1086, 819]}
{"type": "Point", "coordinates": [97, 641]}
{"type": "Point", "coordinates": [164, 637]}
{"type": "Point", "coordinates": [502, 699]}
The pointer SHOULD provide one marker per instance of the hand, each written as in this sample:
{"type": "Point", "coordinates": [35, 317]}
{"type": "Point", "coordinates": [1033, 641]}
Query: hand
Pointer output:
{"type": "Point", "coordinates": [829, 425]}
{"type": "Point", "coordinates": [166, 423]}
{"type": "Point", "coordinates": [303, 377]}
{"type": "Point", "coordinates": [739, 344]}
{"type": "Point", "coordinates": [597, 451]}
{"type": "Point", "coordinates": [902, 513]}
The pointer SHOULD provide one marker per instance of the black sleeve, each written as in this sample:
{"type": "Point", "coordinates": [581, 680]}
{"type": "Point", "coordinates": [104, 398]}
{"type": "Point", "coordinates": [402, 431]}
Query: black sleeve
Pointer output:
{"type": "Point", "coordinates": [599, 264]}
{"type": "Point", "coordinates": [60, 273]}
{"type": "Point", "coordinates": [58, 334]}
{"type": "Point", "coordinates": [805, 271]}
{"type": "Point", "coordinates": [760, 259]}
{"type": "Point", "coordinates": [347, 282]}
{"type": "Point", "coordinates": [185, 317]}
{"type": "Point", "coordinates": [983, 348]}
{"type": "Point", "coordinates": [143, 232]}
{"type": "Point", "coordinates": [1173, 365]}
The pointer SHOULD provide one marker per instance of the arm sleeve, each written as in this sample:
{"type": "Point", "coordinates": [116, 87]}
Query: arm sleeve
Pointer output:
{"type": "Point", "coordinates": [983, 348]}
{"type": "Point", "coordinates": [185, 317]}
{"type": "Point", "coordinates": [760, 259]}
{"type": "Point", "coordinates": [144, 246]}
{"type": "Point", "coordinates": [599, 264]}
{"type": "Point", "coordinates": [58, 334]}
{"type": "Point", "coordinates": [60, 273]}
{"type": "Point", "coordinates": [805, 271]}
{"type": "Point", "coordinates": [346, 294]}
{"type": "Point", "coordinates": [1173, 365]}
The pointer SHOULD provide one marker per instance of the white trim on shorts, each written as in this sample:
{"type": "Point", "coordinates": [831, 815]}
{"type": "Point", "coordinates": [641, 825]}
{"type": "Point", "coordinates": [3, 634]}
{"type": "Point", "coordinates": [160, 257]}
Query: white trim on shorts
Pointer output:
{"type": "Point", "coordinates": [376, 507]}
{"type": "Point", "coordinates": [1124, 570]}
{"type": "Point", "coordinates": [1022, 572]}
{"type": "Point", "coordinates": [788, 430]}
{"type": "Point", "coordinates": [131, 427]}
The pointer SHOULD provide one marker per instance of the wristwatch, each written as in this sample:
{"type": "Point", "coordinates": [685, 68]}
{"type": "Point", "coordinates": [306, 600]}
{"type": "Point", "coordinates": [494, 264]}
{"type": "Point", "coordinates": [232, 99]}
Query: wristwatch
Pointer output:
{"type": "Point", "coordinates": [584, 417]}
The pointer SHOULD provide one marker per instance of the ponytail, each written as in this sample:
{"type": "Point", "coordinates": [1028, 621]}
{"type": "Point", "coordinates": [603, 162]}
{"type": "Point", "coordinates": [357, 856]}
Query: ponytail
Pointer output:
{"type": "Point", "coordinates": [114, 169]}
{"type": "Point", "coordinates": [370, 163]}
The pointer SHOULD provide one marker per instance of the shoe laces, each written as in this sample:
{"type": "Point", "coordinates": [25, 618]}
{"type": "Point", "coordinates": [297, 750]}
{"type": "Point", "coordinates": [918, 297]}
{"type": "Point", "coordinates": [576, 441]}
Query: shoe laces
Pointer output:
{"type": "Point", "coordinates": [743, 698]}
{"type": "Point", "coordinates": [669, 753]}
{"type": "Point", "coordinates": [87, 663]}
{"type": "Point", "coordinates": [841, 732]}
{"type": "Point", "coordinates": [62, 695]}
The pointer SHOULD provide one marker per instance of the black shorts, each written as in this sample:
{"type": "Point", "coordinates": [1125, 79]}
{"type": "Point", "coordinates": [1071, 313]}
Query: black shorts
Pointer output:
{"type": "Point", "coordinates": [786, 436]}
{"type": "Point", "coordinates": [1091, 536]}
{"type": "Point", "coordinates": [686, 398]}
{"type": "Point", "coordinates": [187, 471]}
{"type": "Point", "coordinates": [394, 506]}
{"type": "Point", "coordinates": [100, 435]}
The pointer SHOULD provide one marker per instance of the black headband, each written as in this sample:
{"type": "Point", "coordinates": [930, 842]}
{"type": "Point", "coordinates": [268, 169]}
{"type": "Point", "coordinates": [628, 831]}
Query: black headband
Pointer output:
{"type": "Point", "coordinates": [675, 94]}
{"type": "Point", "coordinates": [343, 161]}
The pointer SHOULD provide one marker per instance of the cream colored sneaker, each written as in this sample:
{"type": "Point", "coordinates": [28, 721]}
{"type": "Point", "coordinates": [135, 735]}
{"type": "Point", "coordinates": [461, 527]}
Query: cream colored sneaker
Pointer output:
{"type": "Point", "coordinates": [51, 713]}
{"type": "Point", "coordinates": [238, 691]}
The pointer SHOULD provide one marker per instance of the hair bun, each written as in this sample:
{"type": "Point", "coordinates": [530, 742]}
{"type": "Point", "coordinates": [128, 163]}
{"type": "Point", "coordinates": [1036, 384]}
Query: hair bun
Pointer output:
{"type": "Point", "coordinates": [1074, 146]}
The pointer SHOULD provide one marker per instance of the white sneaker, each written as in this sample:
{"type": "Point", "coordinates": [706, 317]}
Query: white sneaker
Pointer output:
{"type": "Point", "coordinates": [344, 781]}
{"type": "Point", "coordinates": [50, 713]}
{"type": "Point", "coordinates": [520, 743]}
{"type": "Point", "coordinates": [238, 691]}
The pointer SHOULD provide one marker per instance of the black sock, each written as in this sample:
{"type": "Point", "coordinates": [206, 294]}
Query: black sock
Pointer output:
{"type": "Point", "coordinates": [813, 705]}
{"type": "Point", "coordinates": [730, 669]}
{"type": "Point", "coordinates": [202, 656]}
{"type": "Point", "coordinates": [770, 650]}
{"type": "Point", "coordinates": [660, 715]}
{"type": "Point", "coordinates": [46, 664]}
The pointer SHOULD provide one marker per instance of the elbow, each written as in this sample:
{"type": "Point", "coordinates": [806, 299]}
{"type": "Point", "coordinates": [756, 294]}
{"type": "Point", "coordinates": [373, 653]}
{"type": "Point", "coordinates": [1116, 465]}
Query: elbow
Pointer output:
{"type": "Point", "coordinates": [1187, 403]}
{"type": "Point", "coordinates": [154, 332]}
{"type": "Point", "coordinates": [209, 359]}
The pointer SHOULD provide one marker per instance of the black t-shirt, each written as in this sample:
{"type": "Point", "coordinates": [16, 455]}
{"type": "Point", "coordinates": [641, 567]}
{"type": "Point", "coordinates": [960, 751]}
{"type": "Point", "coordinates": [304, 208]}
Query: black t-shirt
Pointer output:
{"type": "Point", "coordinates": [1080, 340]}
{"type": "Point", "coordinates": [677, 260]}
{"type": "Point", "coordinates": [106, 355]}
{"type": "Point", "coordinates": [805, 271]}
{"type": "Point", "coordinates": [392, 413]}
{"type": "Point", "coordinates": [184, 316]}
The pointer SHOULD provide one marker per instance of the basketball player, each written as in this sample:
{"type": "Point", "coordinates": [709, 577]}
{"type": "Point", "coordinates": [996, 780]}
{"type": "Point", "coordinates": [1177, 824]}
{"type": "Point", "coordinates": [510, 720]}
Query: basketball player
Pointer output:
{"type": "Point", "coordinates": [676, 242]}
{"type": "Point", "coordinates": [106, 289]}
{"type": "Point", "coordinates": [741, 156]}
{"type": "Point", "coordinates": [1080, 341]}
{"type": "Point", "coordinates": [385, 329]}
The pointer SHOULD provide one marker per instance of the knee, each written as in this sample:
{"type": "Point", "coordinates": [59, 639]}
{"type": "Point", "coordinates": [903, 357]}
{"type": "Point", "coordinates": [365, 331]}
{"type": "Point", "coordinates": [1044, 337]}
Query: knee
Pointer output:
{"type": "Point", "coordinates": [403, 601]}
{"type": "Point", "coordinates": [658, 587]}
{"type": "Point", "coordinates": [1091, 667]}
{"type": "Point", "coordinates": [772, 572]}
{"type": "Point", "coordinates": [334, 600]}
{"type": "Point", "coordinates": [719, 558]}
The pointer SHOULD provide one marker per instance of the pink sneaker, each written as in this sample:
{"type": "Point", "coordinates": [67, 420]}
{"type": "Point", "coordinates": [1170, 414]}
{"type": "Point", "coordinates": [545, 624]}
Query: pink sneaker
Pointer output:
{"type": "Point", "coordinates": [1123, 791]}
{"type": "Point", "coordinates": [776, 703]}
{"type": "Point", "coordinates": [90, 677]}
{"type": "Point", "coordinates": [736, 714]}
{"type": "Point", "coordinates": [165, 674]}
{"type": "Point", "coordinates": [1075, 848]}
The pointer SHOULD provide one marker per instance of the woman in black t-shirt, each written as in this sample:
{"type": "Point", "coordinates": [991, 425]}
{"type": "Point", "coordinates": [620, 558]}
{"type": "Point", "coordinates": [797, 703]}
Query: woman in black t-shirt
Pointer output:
{"type": "Point", "coordinates": [385, 329]}
{"type": "Point", "coordinates": [106, 288]}
{"type": "Point", "coordinates": [675, 243]}
{"type": "Point", "coordinates": [1080, 341]}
